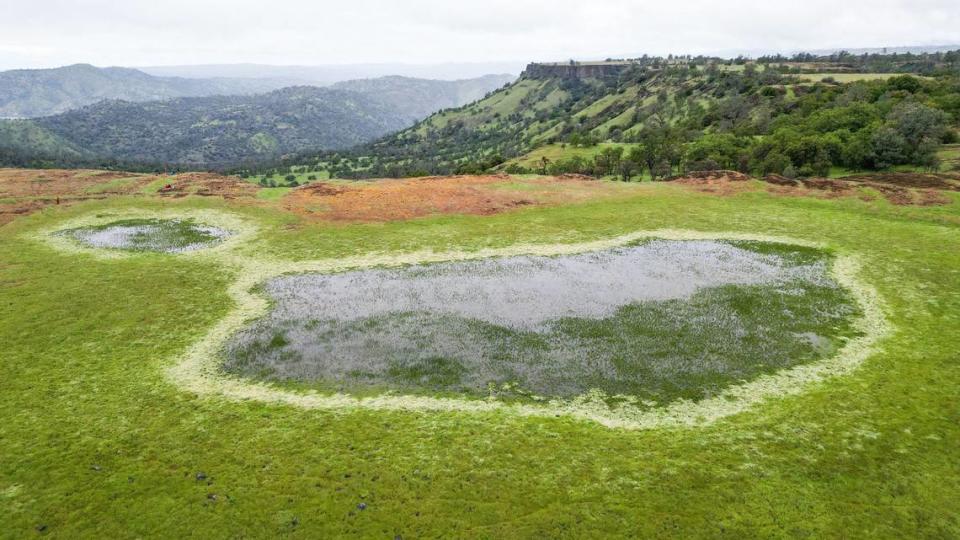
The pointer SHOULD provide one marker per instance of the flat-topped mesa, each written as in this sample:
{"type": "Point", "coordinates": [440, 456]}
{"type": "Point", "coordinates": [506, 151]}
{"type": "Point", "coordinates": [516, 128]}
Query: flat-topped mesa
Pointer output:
{"type": "Point", "coordinates": [576, 70]}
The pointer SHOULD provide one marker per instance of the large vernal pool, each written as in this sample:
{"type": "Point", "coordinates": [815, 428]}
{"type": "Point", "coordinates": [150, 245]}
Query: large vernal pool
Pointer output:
{"type": "Point", "coordinates": [659, 320]}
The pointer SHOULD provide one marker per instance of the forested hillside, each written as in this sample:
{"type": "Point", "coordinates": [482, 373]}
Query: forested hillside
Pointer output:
{"type": "Point", "coordinates": [28, 93]}
{"type": "Point", "coordinates": [219, 131]}
{"type": "Point", "coordinates": [800, 116]}
{"type": "Point", "coordinates": [224, 129]}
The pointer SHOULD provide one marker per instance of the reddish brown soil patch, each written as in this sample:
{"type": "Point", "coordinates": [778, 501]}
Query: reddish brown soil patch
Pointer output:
{"type": "Point", "coordinates": [208, 185]}
{"type": "Point", "coordinates": [697, 177]}
{"type": "Point", "coordinates": [399, 199]}
{"type": "Point", "coordinates": [924, 189]}
{"type": "Point", "coordinates": [715, 182]}
{"type": "Point", "coordinates": [898, 188]}
{"type": "Point", "coordinates": [779, 180]}
{"type": "Point", "coordinates": [944, 181]}
{"type": "Point", "coordinates": [24, 191]}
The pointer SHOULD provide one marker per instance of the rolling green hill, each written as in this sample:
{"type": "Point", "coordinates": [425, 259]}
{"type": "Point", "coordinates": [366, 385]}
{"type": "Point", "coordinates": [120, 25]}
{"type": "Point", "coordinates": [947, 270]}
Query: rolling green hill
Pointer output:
{"type": "Point", "coordinates": [666, 116]}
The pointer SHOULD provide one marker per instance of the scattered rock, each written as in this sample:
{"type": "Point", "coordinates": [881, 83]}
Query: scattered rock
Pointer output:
{"type": "Point", "coordinates": [362, 506]}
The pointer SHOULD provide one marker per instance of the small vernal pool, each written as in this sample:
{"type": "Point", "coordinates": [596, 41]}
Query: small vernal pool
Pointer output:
{"type": "Point", "coordinates": [157, 235]}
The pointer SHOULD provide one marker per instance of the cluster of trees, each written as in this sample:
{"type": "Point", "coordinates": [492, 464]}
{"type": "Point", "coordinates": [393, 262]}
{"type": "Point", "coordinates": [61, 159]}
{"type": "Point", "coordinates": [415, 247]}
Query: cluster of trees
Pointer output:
{"type": "Point", "coordinates": [864, 126]}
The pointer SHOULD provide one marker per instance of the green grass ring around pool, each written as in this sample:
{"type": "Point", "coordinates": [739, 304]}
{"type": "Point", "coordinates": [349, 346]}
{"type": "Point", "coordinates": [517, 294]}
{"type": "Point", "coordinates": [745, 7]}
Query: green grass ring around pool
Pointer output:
{"type": "Point", "coordinates": [199, 369]}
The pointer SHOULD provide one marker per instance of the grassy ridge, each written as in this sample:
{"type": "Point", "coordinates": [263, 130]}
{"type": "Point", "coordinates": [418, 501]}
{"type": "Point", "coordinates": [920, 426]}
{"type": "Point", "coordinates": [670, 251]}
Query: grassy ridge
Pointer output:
{"type": "Point", "coordinates": [96, 442]}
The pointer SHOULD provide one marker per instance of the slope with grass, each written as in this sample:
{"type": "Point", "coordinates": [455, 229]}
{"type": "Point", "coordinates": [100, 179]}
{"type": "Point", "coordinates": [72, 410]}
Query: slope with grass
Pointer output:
{"type": "Point", "coordinates": [98, 441]}
{"type": "Point", "coordinates": [679, 117]}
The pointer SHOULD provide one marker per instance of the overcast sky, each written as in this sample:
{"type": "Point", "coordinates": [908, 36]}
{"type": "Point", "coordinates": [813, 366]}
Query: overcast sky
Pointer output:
{"type": "Point", "coordinates": [46, 33]}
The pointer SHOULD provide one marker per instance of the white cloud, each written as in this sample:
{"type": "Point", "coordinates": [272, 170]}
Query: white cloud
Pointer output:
{"type": "Point", "coordinates": [148, 32]}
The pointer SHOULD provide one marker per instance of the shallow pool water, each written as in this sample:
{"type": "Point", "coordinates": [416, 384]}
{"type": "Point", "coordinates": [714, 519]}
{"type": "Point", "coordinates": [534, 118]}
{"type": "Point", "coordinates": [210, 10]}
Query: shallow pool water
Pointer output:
{"type": "Point", "coordinates": [660, 320]}
{"type": "Point", "coordinates": [160, 235]}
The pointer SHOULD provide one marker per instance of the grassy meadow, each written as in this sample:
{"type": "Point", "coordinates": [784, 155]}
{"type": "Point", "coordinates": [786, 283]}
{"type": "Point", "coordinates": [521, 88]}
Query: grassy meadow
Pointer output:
{"type": "Point", "coordinates": [96, 441]}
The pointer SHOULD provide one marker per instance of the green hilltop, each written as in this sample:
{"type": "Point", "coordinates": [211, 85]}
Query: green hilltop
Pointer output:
{"type": "Point", "coordinates": [803, 116]}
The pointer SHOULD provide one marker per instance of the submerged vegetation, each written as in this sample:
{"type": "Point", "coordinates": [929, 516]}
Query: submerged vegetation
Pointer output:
{"type": "Point", "coordinates": [161, 235]}
{"type": "Point", "coordinates": [659, 321]}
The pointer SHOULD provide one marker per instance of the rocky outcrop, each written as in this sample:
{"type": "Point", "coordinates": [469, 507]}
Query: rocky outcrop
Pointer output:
{"type": "Point", "coordinates": [577, 70]}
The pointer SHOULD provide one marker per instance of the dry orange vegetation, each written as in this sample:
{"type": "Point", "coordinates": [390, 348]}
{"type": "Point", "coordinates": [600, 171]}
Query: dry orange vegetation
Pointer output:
{"type": "Point", "coordinates": [398, 199]}
{"type": "Point", "coordinates": [23, 191]}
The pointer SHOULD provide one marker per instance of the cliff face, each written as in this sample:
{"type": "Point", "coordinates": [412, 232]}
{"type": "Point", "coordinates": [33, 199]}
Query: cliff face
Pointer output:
{"type": "Point", "coordinates": [579, 70]}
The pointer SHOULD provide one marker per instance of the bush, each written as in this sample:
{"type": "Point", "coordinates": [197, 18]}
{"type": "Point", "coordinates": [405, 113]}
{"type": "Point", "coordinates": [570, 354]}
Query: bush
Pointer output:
{"type": "Point", "coordinates": [775, 163]}
{"type": "Point", "coordinates": [516, 169]}
{"type": "Point", "coordinates": [703, 165]}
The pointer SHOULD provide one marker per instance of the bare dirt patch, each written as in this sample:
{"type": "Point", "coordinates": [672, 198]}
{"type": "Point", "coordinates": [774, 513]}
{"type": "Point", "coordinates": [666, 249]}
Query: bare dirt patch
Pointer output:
{"type": "Point", "coordinates": [400, 199]}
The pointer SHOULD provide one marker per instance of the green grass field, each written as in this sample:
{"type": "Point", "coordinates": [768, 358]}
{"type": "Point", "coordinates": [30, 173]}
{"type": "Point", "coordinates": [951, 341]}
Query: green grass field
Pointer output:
{"type": "Point", "coordinates": [97, 441]}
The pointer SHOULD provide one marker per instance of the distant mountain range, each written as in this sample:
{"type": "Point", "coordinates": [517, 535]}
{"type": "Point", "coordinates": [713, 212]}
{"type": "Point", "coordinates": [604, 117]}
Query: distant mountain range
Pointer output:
{"type": "Point", "coordinates": [324, 75]}
{"type": "Point", "coordinates": [131, 117]}
{"type": "Point", "coordinates": [31, 93]}
{"type": "Point", "coordinates": [28, 93]}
